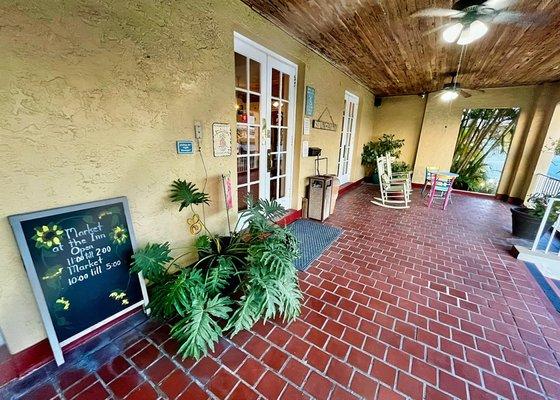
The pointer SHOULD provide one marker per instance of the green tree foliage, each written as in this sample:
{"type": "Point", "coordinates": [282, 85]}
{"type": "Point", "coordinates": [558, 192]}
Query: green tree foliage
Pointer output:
{"type": "Point", "coordinates": [482, 131]}
{"type": "Point", "coordinates": [236, 281]}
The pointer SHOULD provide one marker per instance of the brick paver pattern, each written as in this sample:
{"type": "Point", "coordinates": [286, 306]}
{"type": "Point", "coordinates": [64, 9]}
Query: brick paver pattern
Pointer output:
{"type": "Point", "coordinates": [419, 304]}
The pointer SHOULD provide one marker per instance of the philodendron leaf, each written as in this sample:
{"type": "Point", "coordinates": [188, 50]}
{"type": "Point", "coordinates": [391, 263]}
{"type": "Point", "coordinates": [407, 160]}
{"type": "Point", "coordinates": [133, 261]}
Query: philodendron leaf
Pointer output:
{"type": "Point", "coordinates": [151, 260]}
{"type": "Point", "coordinates": [198, 331]}
{"type": "Point", "coordinates": [187, 194]}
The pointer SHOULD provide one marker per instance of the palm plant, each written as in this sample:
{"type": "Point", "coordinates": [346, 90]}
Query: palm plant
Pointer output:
{"type": "Point", "coordinates": [236, 281]}
{"type": "Point", "coordinates": [482, 131]}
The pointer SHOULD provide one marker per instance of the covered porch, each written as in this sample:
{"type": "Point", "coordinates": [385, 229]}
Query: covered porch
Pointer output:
{"type": "Point", "coordinates": [159, 158]}
{"type": "Point", "coordinates": [422, 304]}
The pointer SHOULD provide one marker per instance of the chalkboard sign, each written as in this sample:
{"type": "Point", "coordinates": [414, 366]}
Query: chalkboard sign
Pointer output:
{"type": "Point", "coordinates": [78, 260]}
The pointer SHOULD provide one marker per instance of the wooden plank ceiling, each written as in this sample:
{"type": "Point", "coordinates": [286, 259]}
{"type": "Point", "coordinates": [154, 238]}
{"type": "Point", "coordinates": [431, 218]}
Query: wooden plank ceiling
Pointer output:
{"type": "Point", "coordinates": [379, 44]}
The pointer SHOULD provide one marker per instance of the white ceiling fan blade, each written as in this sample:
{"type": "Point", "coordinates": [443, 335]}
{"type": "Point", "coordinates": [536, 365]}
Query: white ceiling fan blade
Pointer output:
{"type": "Point", "coordinates": [513, 17]}
{"type": "Point", "coordinates": [499, 4]}
{"type": "Point", "coordinates": [437, 12]}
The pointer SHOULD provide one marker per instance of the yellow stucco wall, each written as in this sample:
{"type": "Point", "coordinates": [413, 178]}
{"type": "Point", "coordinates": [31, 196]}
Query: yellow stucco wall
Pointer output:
{"type": "Point", "coordinates": [93, 96]}
{"type": "Point", "coordinates": [441, 123]}
{"type": "Point", "coordinates": [401, 116]}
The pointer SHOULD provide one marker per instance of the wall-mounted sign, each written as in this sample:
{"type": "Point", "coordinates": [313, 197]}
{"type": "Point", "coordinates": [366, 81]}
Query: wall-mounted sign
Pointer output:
{"type": "Point", "coordinates": [78, 260]}
{"type": "Point", "coordinates": [309, 100]}
{"type": "Point", "coordinates": [185, 147]}
{"type": "Point", "coordinates": [320, 123]}
{"type": "Point", "coordinates": [306, 126]}
{"type": "Point", "coordinates": [221, 135]}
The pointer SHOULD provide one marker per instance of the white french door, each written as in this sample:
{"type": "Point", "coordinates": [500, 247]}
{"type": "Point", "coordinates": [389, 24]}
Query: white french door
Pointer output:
{"type": "Point", "coordinates": [351, 102]}
{"type": "Point", "coordinates": [265, 90]}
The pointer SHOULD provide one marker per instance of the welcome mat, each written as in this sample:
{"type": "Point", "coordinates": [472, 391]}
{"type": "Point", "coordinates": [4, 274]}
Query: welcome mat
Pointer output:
{"type": "Point", "coordinates": [313, 238]}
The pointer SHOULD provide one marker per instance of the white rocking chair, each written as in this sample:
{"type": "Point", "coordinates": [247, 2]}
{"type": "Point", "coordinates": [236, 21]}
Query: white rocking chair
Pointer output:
{"type": "Point", "coordinates": [395, 192]}
{"type": "Point", "coordinates": [398, 177]}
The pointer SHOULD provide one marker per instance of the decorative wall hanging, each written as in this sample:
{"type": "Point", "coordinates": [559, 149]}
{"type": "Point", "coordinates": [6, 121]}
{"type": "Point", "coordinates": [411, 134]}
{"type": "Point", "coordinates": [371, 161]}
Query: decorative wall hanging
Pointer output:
{"type": "Point", "coordinates": [309, 100]}
{"type": "Point", "coordinates": [78, 260]}
{"type": "Point", "coordinates": [221, 135]}
{"type": "Point", "coordinates": [324, 125]}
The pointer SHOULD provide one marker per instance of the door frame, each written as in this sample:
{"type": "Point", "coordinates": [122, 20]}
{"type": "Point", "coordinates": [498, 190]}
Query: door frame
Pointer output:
{"type": "Point", "coordinates": [244, 45]}
{"type": "Point", "coordinates": [348, 97]}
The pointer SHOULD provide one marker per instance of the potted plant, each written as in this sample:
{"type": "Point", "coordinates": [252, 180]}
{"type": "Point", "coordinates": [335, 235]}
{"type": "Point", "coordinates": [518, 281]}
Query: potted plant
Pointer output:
{"type": "Point", "coordinates": [236, 280]}
{"type": "Point", "coordinates": [375, 148]}
{"type": "Point", "coordinates": [525, 221]}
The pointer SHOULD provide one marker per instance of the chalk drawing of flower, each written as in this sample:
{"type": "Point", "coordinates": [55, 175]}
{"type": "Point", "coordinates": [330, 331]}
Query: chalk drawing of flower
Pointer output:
{"type": "Point", "coordinates": [64, 303]}
{"type": "Point", "coordinates": [119, 295]}
{"type": "Point", "coordinates": [119, 235]}
{"type": "Point", "coordinates": [47, 236]}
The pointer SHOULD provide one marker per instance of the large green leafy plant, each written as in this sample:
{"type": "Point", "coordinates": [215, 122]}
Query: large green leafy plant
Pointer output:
{"type": "Point", "coordinates": [381, 146]}
{"type": "Point", "coordinates": [236, 281]}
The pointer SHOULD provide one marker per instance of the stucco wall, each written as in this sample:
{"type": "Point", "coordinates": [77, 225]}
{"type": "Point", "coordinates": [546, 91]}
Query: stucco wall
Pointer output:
{"type": "Point", "coordinates": [93, 96]}
{"type": "Point", "coordinates": [441, 123]}
{"type": "Point", "coordinates": [401, 116]}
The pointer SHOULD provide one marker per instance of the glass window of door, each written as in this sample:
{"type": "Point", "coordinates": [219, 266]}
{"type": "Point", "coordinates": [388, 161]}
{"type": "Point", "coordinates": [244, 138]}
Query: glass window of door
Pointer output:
{"type": "Point", "coordinates": [350, 113]}
{"type": "Point", "coordinates": [265, 101]}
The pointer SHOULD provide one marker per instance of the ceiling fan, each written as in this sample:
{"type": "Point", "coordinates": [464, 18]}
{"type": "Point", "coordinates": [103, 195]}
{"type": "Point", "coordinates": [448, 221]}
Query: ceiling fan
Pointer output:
{"type": "Point", "coordinates": [453, 89]}
{"type": "Point", "coordinates": [470, 18]}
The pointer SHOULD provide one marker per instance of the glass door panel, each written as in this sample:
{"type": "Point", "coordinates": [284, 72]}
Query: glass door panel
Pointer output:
{"type": "Point", "coordinates": [347, 136]}
{"type": "Point", "coordinates": [265, 101]}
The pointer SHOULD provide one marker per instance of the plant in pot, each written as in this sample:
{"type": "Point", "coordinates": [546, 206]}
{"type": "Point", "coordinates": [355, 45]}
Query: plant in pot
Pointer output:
{"type": "Point", "coordinates": [375, 148]}
{"type": "Point", "coordinates": [236, 280]}
{"type": "Point", "coordinates": [525, 220]}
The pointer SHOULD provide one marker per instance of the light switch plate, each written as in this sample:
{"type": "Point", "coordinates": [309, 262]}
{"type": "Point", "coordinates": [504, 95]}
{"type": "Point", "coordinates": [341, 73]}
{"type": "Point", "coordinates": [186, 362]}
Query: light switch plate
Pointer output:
{"type": "Point", "coordinates": [198, 130]}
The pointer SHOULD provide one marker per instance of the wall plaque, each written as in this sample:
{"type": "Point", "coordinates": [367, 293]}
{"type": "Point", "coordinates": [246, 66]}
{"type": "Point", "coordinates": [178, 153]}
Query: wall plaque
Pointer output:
{"type": "Point", "coordinates": [320, 123]}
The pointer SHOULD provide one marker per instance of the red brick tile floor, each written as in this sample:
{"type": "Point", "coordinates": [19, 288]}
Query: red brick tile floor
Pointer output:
{"type": "Point", "coordinates": [419, 303]}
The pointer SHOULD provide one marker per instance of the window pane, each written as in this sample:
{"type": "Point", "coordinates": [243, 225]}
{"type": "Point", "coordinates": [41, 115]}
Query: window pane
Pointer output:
{"type": "Point", "coordinates": [285, 86]}
{"type": "Point", "coordinates": [254, 168]}
{"type": "Point", "coordinates": [273, 164]}
{"type": "Point", "coordinates": [282, 188]}
{"type": "Point", "coordinates": [277, 112]}
{"type": "Point", "coordinates": [254, 192]}
{"type": "Point", "coordinates": [241, 196]}
{"type": "Point", "coordinates": [241, 106]}
{"type": "Point", "coordinates": [282, 163]}
{"type": "Point", "coordinates": [283, 139]}
{"type": "Point", "coordinates": [255, 109]}
{"type": "Point", "coordinates": [254, 140]}
{"type": "Point", "coordinates": [255, 76]}
{"type": "Point", "coordinates": [273, 187]}
{"type": "Point", "coordinates": [275, 83]}
{"type": "Point", "coordinates": [242, 139]}
{"type": "Point", "coordinates": [240, 71]}
{"type": "Point", "coordinates": [241, 170]}
{"type": "Point", "coordinates": [273, 139]}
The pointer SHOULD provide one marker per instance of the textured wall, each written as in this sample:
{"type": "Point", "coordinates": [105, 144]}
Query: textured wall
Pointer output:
{"type": "Point", "coordinates": [93, 95]}
{"type": "Point", "coordinates": [401, 116]}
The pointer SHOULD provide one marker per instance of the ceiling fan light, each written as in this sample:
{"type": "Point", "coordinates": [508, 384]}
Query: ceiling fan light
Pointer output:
{"type": "Point", "coordinates": [478, 29]}
{"type": "Point", "coordinates": [474, 31]}
{"type": "Point", "coordinates": [451, 33]}
{"type": "Point", "coordinates": [449, 95]}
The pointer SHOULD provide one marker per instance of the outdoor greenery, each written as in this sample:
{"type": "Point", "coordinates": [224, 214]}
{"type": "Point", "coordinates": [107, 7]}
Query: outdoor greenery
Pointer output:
{"type": "Point", "coordinates": [236, 281]}
{"type": "Point", "coordinates": [540, 203]}
{"type": "Point", "coordinates": [385, 144]}
{"type": "Point", "coordinates": [482, 131]}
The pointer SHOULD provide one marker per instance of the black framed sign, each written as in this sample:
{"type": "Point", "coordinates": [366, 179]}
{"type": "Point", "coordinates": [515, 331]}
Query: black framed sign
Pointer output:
{"type": "Point", "coordinates": [78, 260]}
